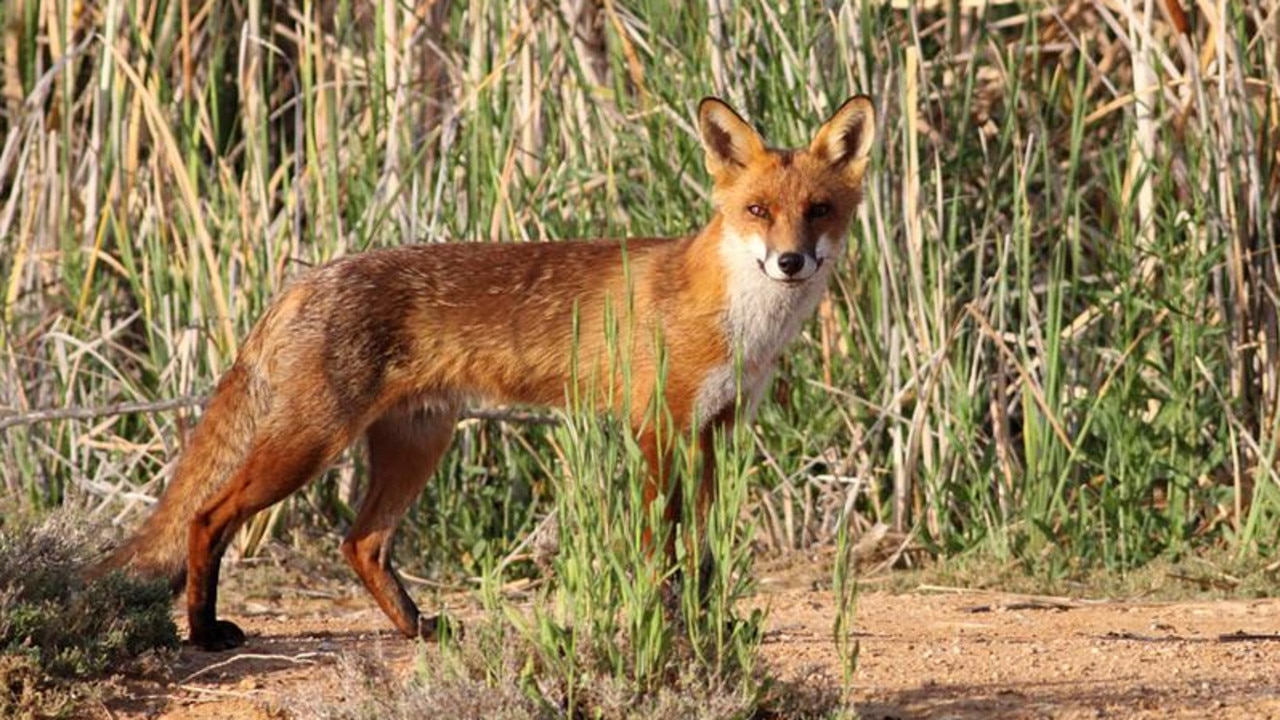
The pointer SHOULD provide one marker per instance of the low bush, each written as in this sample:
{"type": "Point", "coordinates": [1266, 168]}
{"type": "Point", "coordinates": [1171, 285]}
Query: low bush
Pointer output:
{"type": "Point", "coordinates": [57, 631]}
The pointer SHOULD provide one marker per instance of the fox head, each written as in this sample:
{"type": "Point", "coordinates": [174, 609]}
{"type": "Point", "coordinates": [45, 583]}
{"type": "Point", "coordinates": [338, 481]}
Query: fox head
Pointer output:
{"type": "Point", "coordinates": [789, 210]}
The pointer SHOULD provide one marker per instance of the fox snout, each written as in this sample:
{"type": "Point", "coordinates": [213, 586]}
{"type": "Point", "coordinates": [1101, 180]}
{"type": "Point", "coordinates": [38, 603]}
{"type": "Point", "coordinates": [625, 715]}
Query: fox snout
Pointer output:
{"type": "Point", "coordinates": [791, 266]}
{"type": "Point", "coordinates": [794, 263]}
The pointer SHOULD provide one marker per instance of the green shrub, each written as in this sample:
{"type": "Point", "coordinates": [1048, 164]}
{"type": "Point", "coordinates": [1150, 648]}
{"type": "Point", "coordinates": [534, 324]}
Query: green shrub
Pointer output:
{"type": "Point", "coordinates": [56, 630]}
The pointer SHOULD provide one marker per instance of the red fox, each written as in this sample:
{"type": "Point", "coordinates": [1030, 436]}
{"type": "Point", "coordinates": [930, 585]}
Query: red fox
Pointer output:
{"type": "Point", "coordinates": [388, 345]}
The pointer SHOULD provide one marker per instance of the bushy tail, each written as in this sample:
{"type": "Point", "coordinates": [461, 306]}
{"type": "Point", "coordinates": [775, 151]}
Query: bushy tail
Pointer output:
{"type": "Point", "coordinates": [215, 450]}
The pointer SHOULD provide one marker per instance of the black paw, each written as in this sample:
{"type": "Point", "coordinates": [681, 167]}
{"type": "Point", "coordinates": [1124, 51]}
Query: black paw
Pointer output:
{"type": "Point", "coordinates": [438, 627]}
{"type": "Point", "coordinates": [669, 596]}
{"type": "Point", "coordinates": [706, 575]}
{"type": "Point", "coordinates": [224, 635]}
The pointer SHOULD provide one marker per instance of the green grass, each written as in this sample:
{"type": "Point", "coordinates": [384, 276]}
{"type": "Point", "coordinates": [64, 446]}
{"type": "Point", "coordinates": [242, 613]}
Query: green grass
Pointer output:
{"type": "Point", "coordinates": [618, 628]}
{"type": "Point", "coordinates": [1053, 343]}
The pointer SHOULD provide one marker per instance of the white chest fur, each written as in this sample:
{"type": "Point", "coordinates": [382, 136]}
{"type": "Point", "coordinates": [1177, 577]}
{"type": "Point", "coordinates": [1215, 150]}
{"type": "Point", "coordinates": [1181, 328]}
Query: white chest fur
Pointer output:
{"type": "Point", "coordinates": [761, 317]}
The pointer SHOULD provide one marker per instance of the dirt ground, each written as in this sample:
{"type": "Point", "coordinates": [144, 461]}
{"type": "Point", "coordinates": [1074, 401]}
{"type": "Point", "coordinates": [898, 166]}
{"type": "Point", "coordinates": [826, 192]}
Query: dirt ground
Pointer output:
{"type": "Point", "coordinates": [931, 653]}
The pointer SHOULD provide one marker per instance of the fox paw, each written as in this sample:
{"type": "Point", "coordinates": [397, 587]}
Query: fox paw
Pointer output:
{"type": "Point", "coordinates": [439, 627]}
{"type": "Point", "coordinates": [224, 635]}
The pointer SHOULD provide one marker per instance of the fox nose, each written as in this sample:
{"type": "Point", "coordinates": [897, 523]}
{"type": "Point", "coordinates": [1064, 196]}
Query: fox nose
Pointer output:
{"type": "Point", "coordinates": [791, 263]}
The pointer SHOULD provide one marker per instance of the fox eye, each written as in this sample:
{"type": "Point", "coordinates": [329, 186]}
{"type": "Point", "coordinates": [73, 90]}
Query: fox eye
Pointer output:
{"type": "Point", "coordinates": [818, 210]}
{"type": "Point", "coordinates": [759, 211]}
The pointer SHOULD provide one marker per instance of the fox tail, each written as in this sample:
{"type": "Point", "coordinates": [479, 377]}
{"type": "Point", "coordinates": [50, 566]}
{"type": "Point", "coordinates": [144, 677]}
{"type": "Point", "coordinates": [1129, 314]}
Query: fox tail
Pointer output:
{"type": "Point", "coordinates": [216, 449]}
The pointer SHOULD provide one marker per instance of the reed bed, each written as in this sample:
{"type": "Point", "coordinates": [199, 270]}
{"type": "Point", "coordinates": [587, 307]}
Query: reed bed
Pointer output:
{"type": "Point", "coordinates": [1055, 341]}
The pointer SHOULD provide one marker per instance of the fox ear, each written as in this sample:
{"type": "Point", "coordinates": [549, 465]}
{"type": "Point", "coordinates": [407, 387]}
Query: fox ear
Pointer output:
{"type": "Point", "coordinates": [729, 141]}
{"type": "Point", "coordinates": [845, 139]}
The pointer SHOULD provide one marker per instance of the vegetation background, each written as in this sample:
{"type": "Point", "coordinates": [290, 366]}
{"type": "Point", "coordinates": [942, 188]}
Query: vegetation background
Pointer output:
{"type": "Point", "coordinates": [1055, 342]}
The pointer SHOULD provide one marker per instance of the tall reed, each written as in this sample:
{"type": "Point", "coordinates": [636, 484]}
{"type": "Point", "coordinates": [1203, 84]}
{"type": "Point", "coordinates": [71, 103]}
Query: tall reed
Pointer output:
{"type": "Point", "coordinates": [1054, 340]}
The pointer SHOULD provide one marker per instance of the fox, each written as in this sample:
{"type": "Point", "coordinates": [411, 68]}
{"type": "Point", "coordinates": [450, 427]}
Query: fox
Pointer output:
{"type": "Point", "coordinates": [389, 345]}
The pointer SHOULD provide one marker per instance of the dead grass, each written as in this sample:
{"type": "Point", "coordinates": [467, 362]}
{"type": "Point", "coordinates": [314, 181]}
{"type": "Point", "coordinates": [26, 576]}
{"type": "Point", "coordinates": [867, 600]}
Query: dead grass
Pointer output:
{"type": "Point", "coordinates": [1205, 575]}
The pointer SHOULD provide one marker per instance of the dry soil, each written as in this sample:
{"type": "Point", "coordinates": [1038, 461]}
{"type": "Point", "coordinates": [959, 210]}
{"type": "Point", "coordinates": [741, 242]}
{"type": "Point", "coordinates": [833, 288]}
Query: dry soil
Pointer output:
{"type": "Point", "coordinates": [930, 653]}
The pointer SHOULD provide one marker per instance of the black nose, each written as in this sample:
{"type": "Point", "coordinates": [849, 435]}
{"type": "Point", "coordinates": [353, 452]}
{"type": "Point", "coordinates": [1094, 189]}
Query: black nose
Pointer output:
{"type": "Point", "coordinates": [791, 263]}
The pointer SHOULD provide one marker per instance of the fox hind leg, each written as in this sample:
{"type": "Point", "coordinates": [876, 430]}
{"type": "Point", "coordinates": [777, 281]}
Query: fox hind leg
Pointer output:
{"type": "Point", "coordinates": [405, 447]}
{"type": "Point", "coordinates": [275, 467]}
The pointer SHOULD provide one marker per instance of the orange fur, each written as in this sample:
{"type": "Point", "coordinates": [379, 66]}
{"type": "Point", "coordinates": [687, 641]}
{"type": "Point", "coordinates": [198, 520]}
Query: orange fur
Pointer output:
{"type": "Point", "coordinates": [389, 345]}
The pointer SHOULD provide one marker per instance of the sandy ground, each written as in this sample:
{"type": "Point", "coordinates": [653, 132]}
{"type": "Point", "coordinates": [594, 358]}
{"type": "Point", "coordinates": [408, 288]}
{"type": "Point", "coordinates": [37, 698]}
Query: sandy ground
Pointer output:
{"type": "Point", "coordinates": [932, 653]}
